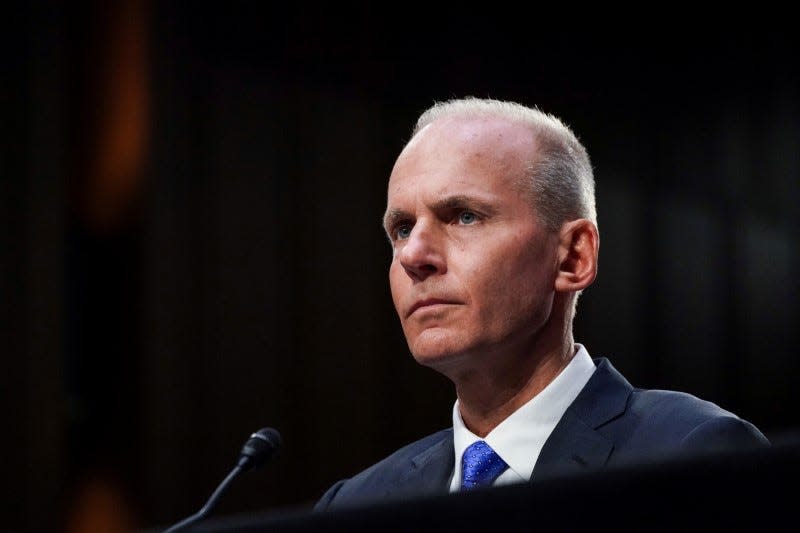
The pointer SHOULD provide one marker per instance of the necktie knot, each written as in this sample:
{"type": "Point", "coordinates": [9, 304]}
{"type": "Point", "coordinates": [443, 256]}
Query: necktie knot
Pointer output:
{"type": "Point", "coordinates": [480, 466]}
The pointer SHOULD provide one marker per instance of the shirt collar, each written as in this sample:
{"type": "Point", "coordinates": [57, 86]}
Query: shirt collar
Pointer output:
{"type": "Point", "coordinates": [519, 438]}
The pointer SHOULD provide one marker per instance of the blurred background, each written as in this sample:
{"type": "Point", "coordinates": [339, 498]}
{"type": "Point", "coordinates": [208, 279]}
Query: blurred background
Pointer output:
{"type": "Point", "coordinates": [191, 196]}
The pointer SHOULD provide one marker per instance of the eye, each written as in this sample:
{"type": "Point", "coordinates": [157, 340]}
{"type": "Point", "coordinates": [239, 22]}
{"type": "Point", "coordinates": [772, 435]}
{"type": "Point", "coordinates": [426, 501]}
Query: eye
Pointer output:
{"type": "Point", "coordinates": [403, 231]}
{"type": "Point", "coordinates": [467, 217]}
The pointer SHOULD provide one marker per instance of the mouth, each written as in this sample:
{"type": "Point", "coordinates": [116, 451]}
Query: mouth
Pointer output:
{"type": "Point", "coordinates": [429, 302]}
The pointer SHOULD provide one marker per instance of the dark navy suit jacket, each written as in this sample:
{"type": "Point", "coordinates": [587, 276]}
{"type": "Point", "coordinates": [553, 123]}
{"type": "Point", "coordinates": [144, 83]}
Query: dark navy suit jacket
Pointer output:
{"type": "Point", "coordinates": [609, 423]}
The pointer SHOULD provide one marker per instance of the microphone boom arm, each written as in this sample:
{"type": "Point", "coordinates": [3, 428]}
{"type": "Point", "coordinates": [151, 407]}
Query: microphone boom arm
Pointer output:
{"type": "Point", "coordinates": [210, 504]}
{"type": "Point", "coordinates": [259, 447]}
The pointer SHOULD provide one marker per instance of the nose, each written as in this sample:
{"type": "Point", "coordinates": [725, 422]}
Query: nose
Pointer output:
{"type": "Point", "coordinates": [421, 254]}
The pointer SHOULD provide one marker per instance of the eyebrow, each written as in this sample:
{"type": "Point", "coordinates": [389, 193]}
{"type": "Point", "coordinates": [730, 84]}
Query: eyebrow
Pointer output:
{"type": "Point", "coordinates": [464, 201]}
{"type": "Point", "coordinates": [393, 216]}
{"type": "Point", "coordinates": [456, 201]}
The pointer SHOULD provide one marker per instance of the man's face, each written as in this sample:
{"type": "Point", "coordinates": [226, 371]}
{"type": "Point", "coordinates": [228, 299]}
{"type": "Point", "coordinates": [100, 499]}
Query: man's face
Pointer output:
{"type": "Point", "coordinates": [473, 269]}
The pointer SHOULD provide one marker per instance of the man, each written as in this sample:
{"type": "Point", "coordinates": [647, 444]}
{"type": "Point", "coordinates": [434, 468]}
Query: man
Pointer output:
{"type": "Point", "coordinates": [491, 217]}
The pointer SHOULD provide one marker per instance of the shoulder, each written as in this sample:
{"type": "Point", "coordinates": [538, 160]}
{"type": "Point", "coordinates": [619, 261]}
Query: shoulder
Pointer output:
{"type": "Point", "coordinates": [687, 415]}
{"type": "Point", "coordinates": [655, 422]}
{"type": "Point", "coordinates": [673, 407]}
{"type": "Point", "coordinates": [387, 475]}
{"type": "Point", "coordinates": [674, 421]}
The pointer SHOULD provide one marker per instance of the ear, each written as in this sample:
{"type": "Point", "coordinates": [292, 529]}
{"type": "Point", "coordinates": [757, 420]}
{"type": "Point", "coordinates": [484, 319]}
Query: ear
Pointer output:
{"type": "Point", "coordinates": [579, 245]}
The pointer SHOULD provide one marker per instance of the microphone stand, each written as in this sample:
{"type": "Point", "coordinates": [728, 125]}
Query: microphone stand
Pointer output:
{"type": "Point", "coordinates": [212, 501]}
{"type": "Point", "coordinates": [259, 447]}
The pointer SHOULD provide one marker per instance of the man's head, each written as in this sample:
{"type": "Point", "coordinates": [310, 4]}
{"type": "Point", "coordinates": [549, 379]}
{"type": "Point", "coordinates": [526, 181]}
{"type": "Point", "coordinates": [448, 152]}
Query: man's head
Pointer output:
{"type": "Point", "coordinates": [490, 211]}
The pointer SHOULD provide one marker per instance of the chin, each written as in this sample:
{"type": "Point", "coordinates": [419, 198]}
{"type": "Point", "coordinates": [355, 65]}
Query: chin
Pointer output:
{"type": "Point", "coordinates": [437, 351]}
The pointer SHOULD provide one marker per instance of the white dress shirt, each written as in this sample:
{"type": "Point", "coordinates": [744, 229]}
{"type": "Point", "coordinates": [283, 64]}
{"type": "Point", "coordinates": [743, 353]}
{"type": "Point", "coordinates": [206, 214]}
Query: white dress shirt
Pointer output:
{"type": "Point", "coordinates": [519, 438]}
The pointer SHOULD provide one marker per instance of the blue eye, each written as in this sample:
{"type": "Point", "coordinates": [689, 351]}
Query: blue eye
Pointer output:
{"type": "Point", "coordinates": [467, 218]}
{"type": "Point", "coordinates": [403, 232]}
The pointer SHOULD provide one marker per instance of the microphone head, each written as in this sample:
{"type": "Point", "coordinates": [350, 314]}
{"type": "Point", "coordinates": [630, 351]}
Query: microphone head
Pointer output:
{"type": "Point", "coordinates": [259, 447]}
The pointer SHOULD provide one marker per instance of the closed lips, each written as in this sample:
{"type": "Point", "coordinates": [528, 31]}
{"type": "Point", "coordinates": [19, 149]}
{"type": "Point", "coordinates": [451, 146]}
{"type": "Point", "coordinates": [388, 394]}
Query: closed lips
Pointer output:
{"type": "Point", "coordinates": [428, 302]}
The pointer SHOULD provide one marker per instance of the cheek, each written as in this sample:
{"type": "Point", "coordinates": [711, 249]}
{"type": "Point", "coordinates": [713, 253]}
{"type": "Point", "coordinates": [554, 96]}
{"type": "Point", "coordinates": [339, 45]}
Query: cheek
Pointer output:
{"type": "Point", "coordinates": [517, 288]}
{"type": "Point", "coordinates": [396, 283]}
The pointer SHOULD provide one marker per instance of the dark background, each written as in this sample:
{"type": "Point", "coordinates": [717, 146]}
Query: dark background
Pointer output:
{"type": "Point", "coordinates": [191, 244]}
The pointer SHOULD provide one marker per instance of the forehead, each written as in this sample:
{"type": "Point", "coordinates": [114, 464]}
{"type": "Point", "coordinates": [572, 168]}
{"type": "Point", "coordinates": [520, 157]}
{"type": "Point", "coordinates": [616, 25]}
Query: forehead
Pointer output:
{"type": "Point", "coordinates": [488, 153]}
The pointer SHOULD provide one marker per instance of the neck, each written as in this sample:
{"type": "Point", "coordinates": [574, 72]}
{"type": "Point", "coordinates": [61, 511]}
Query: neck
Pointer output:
{"type": "Point", "coordinates": [501, 383]}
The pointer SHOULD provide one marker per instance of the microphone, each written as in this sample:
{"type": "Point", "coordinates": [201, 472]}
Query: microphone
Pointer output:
{"type": "Point", "coordinates": [261, 446]}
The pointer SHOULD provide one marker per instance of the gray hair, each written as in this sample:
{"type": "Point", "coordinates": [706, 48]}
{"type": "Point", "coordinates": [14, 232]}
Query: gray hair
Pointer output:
{"type": "Point", "coordinates": [559, 178]}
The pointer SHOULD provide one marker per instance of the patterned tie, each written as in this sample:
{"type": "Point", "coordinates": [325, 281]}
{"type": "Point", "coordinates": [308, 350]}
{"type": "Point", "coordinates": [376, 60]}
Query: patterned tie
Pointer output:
{"type": "Point", "coordinates": [480, 466]}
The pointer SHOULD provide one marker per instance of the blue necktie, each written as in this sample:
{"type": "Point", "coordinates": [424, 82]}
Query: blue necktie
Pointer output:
{"type": "Point", "coordinates": [480, 466]}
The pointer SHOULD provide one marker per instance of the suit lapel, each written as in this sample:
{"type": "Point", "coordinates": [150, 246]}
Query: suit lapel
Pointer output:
{"type": "Point", "coordinates": [430, 470]}
{"type": "Point", "coordinates": [575, 444]}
